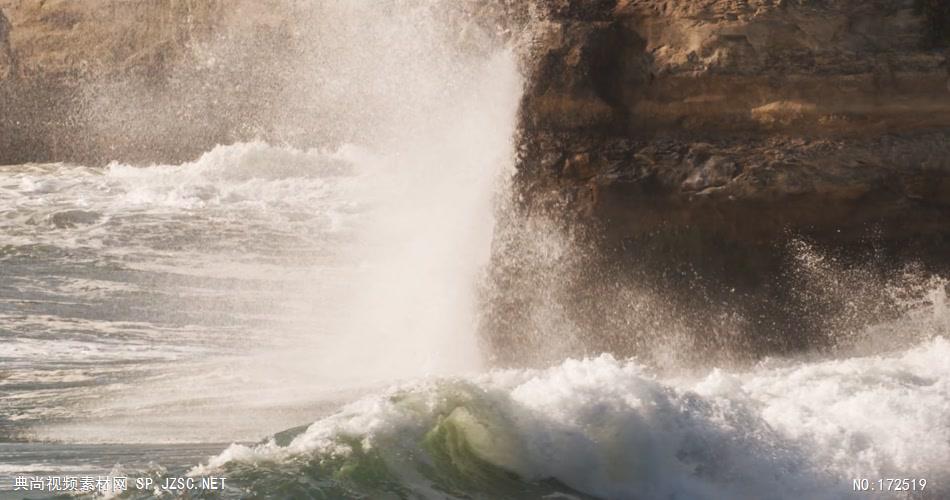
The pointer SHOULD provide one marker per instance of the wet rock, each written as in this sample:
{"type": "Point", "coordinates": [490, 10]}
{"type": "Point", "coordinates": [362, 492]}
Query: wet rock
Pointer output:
{"type": "Point", "coordinates": [689, 146]}
{"type": "Point", "coordinates": [717, 171]}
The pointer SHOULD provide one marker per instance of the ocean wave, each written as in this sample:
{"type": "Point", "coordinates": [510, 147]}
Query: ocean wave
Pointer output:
{"type": "Point", "coordinates": [607, 428]}
{"type": "Point", "coordinates": [254, 171]}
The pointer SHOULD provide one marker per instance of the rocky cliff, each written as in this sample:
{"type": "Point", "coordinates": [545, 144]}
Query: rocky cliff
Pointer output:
{"type": "Point", "coordinates": [142, 81]}
{"type": "Point", "coordinates": [699, 144]}
{"type": "Point", "coordinates": [94, 81]}
{"type": "Point", "coordinates": [749, 117]}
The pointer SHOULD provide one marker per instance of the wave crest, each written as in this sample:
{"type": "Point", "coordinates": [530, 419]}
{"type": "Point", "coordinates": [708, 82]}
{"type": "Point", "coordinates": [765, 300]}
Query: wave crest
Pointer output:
{"type": "Point", "coordinates": [607, 428]}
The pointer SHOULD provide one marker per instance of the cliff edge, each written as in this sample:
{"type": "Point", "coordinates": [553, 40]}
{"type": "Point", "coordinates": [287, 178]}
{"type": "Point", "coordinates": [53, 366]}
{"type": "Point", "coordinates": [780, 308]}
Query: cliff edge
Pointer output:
{"type": "Point", "coordinates": [157, 81]}
{"type": "Point", "coordinates": [745, 118]}
{"type": "Point", "coordinates": [707, 152]}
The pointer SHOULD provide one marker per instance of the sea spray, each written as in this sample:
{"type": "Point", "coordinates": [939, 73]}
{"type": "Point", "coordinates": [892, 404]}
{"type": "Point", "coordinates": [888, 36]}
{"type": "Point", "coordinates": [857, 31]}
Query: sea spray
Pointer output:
{"type": "Point", "coordinates": [314, 273]}
{"type": "Point", "coordinates": [608, 428]}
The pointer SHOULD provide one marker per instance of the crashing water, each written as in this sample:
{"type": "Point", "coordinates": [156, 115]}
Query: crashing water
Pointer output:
{"type": "Point", "coordinates": [159, 311]}
{"type": "Point", "coordinates": [607, 428]}
{"type": "Point", "coordinates": [238, 294]}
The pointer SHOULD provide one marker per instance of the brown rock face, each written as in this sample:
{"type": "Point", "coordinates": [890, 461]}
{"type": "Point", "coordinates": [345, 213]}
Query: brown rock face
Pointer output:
{"type": "Point", "coordinates": [157, 81]}
{"type": "Point", "coordinates": [93, 81]}
{"type": "Point", "coordinates": [706, 110]}
{"type": "Point", "coordinates": [696, 140]}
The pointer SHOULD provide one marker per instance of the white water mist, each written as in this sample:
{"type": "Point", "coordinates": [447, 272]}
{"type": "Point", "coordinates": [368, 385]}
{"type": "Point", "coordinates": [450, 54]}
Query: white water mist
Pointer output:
{"type": "Point", "coordinates": [436, 124]}
{"type": "Point", "coordinates": [335, 269]}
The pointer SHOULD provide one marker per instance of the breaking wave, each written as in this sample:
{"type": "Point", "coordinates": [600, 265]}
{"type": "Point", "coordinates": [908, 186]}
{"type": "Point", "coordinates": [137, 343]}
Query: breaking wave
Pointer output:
{"type": "Point", "coordinates": [607, 428]}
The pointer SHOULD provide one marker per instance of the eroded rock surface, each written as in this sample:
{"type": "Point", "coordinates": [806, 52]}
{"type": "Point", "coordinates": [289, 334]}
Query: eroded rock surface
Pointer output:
{"type": "Point", "coordinates": [743, 117]}
{"type": "Point", "coordinates": [698, 146]}
{"type": "Point", "coordinates": [150, 81]}
{"type": "Point", "coordinates": [94, 81]}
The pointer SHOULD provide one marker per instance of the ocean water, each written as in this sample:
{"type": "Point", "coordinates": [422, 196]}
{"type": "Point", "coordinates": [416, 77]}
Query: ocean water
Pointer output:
{"type": "Point", "coordinates": [304, 322]}
{"type": "Point", "coordinates": [607, 428]}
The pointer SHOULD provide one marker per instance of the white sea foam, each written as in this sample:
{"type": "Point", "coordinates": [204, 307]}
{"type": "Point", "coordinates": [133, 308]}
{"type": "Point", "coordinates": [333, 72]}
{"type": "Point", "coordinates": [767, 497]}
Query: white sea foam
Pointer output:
{"type": "Point", "coordinates": [609, 428]}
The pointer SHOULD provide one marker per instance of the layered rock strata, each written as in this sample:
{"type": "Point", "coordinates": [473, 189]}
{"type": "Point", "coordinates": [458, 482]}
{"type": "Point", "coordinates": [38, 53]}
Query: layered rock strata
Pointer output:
{"type": "Point", "coordinates": [745, 117]}
{"type": "Point", "coordinates": [699, 145]}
